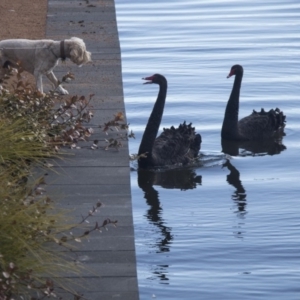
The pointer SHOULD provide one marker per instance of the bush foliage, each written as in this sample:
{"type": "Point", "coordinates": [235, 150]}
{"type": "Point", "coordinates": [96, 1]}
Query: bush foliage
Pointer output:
{"type": "Point", "coordinates": [33, 129]}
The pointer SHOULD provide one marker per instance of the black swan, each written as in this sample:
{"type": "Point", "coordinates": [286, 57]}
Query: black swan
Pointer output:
{"type": "Point", "coordinates": [257, 126]}
{"type": "Point", "coordinates": [175, 146]}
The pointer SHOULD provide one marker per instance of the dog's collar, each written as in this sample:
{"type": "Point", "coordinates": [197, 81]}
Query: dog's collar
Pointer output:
{"type": "Point", "coordinates": [62, 50]}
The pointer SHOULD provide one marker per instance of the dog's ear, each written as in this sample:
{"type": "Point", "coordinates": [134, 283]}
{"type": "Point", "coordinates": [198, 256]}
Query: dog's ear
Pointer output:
{"type": "Point", "coordinates": [75, 56]}
{"type": "Point", "coordinates": [87, 56]}
{"type": "Point", "coordinates": [78, 53]}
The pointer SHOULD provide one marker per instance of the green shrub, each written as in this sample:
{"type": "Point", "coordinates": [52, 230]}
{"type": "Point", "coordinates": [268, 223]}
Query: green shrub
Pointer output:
{"type": "Point", "coordinates": [33, 128]}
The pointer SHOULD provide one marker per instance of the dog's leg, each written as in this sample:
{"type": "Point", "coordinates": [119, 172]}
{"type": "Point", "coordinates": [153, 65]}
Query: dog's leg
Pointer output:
{"type": "Point", "coordinates": [39, 81]}
{"type": "Point", "coordinates": [1, 71]}
{"type": "Point", "coordinates": [56, 84]}
{"type": "Point", "coordinates": [1, 76]}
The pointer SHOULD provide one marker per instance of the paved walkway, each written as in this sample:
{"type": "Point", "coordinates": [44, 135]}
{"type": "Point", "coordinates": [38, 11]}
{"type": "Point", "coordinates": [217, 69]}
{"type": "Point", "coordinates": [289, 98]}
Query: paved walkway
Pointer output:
{"type": "Point", "coordinates": [92, 175]}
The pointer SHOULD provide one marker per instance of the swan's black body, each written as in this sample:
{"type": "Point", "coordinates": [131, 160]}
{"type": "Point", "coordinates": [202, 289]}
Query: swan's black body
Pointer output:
{"type": "Point", "coordinates": [257, 126]}
{"type": "Point", "coordinates": [175, 145]}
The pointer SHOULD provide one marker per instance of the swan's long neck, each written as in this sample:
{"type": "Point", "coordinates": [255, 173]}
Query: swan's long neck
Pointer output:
{"type": "Point", "coordinates": [230, 123]}
{"type": "Point", "coordinates": [152, 127]}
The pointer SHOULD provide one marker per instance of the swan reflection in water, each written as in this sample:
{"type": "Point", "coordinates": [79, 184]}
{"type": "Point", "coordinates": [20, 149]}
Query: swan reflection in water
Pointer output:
{"type": "Point", "coordinates": [182, 179]}
{"type": "Point", "coordinates": [246, 148]}
{"type": "Point", "coordinates": [260, 148]}
{"type": "Point", "coordinates": [239, 195]}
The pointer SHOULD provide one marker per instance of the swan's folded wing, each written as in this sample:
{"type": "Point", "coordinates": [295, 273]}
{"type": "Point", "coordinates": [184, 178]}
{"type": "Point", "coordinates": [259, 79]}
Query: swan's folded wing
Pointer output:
{"type": "Point", "coordinates": [261, 125]}
{"type": "Point", "coordinates": [176, 146]}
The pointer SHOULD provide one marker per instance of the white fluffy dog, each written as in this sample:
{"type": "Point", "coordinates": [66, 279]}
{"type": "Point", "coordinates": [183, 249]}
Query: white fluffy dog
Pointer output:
{"type": "Point", "coordinates": [40, 57]}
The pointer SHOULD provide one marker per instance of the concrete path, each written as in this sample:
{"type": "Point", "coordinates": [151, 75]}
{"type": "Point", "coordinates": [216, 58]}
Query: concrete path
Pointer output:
{"type": "Point", "coordinates": [92, 175]}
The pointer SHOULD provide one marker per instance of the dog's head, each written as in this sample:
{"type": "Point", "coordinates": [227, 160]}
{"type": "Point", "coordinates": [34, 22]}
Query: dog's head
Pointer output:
{"type": "Point", "coordinates": [77, 51]}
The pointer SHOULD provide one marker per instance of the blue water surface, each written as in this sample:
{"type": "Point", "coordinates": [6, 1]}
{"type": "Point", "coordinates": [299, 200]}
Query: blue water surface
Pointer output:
{"type": "Point", "coordinates": [230, 227]}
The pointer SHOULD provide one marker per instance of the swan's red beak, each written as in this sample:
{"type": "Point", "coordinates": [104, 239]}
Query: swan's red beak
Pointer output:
{"type": "Point", "coordinates": [231, 73]}
{"type": "Point", "coordinates": [150, 78]}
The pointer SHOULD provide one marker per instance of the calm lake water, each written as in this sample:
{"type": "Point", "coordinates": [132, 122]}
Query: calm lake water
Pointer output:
{"type": "Point", "coordinates": [230, 227]}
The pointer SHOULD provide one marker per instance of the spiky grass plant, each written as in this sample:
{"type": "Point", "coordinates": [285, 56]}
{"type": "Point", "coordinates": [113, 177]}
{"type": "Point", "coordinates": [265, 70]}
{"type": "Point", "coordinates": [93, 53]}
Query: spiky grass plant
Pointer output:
{"type": "Point", "coordinates": [33, 127]}
{"type": "Point", "coordinates": [36, 242]}
{"type": "Point", "coordinates": [29, 226]}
